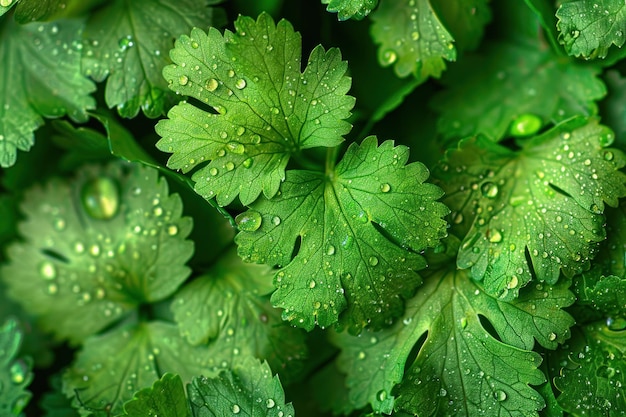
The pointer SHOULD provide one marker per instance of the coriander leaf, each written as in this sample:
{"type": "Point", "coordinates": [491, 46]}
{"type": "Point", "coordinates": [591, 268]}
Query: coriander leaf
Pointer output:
{"type": "Point", "coordinates": [590, 377]}
{"type": "Point", "coordinates": [533, 212]}
{"type": "Point", "coordinates": [266, 109]}
{"type": "Point", "coordinates": [248, 390]}
{"type": "Point", "coordinates": [15, 374]}
{"type": "Point", "coordinates": [460, 369]}
{"type": "Point", "coordinates": [360, 228]}
{"type": "Point", "coordinates": [589, 28]}
{"type": "Point", "coordinates": [96, 247]}
{"type": "Point", "coordinates": [128, 43]}
{"type": "Point", "coordinates": [111, 367]}
{"type": "Point", "coordinates": [350, 9]}
{"type": "Point", "coordinates": [606, 294]}
{"type": "Point", "coordinates": [227, 306]}
{"type": "Point", "coordinates": [412, 38]}
{"type": "Point", "coordinates": [41, 78]}
{"type": "Point", "coordinates": [506, 81]}
{"type": "Point", "coordinates": [166, 397]}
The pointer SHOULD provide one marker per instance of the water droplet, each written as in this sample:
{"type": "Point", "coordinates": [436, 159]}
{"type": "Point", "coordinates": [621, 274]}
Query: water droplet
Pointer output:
{"type": "Point", "coordinates": [52, 289]}
{"type": "Point", "coordinates": [229, 166]}
{"type": "Point", "coordinates": [347, 242]}
{"type": "Point", "coordinates": [330, 250]}
{"type": "Point", "coordinates": [275, 220]}
{"type": "Point", "coordinates": [47, 270]}
{"type": "Point", "coordinates": [525, 125]}
{"type": "Point", "coordinates": [463, 322]}
{"type": "Point", "coordinates": [247, 163]}
{"type": "Point", "coordinates": [552, 337]}
{"type": "Point", "coordinates": [235, 147]}
{"type": "Point", "coordinates": [194, 45]}
{"type": "Point", "coordinates": [211, 84]}
{"type": "Point", "coordinates": [249, 221]}
{"type": "Point", "coordinates": [5, 3]}
{"type": "Point", "coordinates": [19, 370]}
{"type": "Point", "coordinates": [240, 84]}
{"type": "Point", "coordinates": [389, 57]}
{"type": "Point", "coordinates": [172, 230]}
{"type": "Point", "coordinates": [213, 171]}
{"type": "Point", "coordinates": [415, 35]}
{"type": "Point", "coordinates": [312, 284]}
{"type": "Point", "coordinates": [385, 188]}
{"type": "Point", "coordinates": [270, 403]}
{"type": "Point", "coordinates": [499, 395]}
{"type": "Point", "coordinates": [608, 156]}
{"type": "Point", "coordinates": [381, 395]}
{"type": "Point", "coordinates": [236, 409]}
{"type": "Point", "coordinates": [94, 250]}
{"type": "Point", "coordinates": [125, 43]}
{"type": "Point", "coordinates": [255, 139]}
{"type": "Point", "coordinates": [361, 355]}
{"type": "Point", "coordinates": [100, 198]}
{"type": "Point", "coordinates": [489, 190]}
{"type": "Point", "coordinates": [513, 282]}
{"type": "Point", "coordinates": [373, 261]}
{"type": "Point", "coordinates": [443, 392]}
{"type": "Point", "coordinates": [495, 236]}
{"type": "Point", "coordinates": [183, 80]}
{"type": "Point", "coordinates": [59, 224]}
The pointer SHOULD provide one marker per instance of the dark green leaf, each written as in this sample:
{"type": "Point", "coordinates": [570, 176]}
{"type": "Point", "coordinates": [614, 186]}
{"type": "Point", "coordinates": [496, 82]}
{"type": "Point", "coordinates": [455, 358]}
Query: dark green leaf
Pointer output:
{"type": "Point", "coordinates": [350, 9]}
{"type": "Point", "coordinates": [15, 374]}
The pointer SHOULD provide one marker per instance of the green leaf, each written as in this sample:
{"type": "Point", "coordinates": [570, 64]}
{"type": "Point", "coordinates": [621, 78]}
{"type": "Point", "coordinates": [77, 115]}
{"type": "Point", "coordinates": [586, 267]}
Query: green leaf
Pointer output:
{"type": "Point", "coordinates": [15, 374]}
{"type": "Point", "coordinates": [41, 78]}
{"type": "Point", "coordinates": [32, 10]}
{"type": "Point", "coordinates": [412, 38]}
{"type": "Point", "coordinates": [536, 211]}
{"type": "Point", "coordinates": [96, 247]}
{"type": "Point", "coordinates": [111, 367]}
{"type": "Point", "coordinates": [590, 377]}
{"type": "Point", "coordinates": [228, 307]}
{"type": "Point", "coordinates": [465, 21]}
{"type": "Point", "coordinates": [613, 109]}
{"type": "Point", "coordinates": [6, 5]}
{"type": "Point", "coordinates": [360, 227]}
{"type": "Point", "coordinates": [128, 43]}
{"type": "Point", "coordinates": [267, 110]}
{"type": "Point", "coordinates": [460, 368]}
{"type": "Point", "coordinates": [506, 81]}
{"type": "Point", "coordinates": [247, 390]}
{"type": "Point", "coordinates": [589, 28]}
{"type": "Point", "coordinates": [350, 9]}
{"type": "Point", "coordinates": [166, 397]}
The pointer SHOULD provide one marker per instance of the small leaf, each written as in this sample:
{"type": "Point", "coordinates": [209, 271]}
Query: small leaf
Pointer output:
{"type": "Point", "coordinates": [248, 390]}
{"type": "Point", "coordinates": [589, 28]}
{"type": "Point", "coordinates": [266, 110]}
{"type": "Point", "coordinates": [360, 227]}
{"type": "Point", "coordinates": [166, 397]}
{"type": "Point", "coordinates": [41, 78]}
{"type": "Point", "coordinates": [15, 374]}
{"type": "Point", "coordinates": [534, 212]}
{"type": "Point", "coordinates": [96, 247]}
{"type": "Point", "coordinates": [350, 9]}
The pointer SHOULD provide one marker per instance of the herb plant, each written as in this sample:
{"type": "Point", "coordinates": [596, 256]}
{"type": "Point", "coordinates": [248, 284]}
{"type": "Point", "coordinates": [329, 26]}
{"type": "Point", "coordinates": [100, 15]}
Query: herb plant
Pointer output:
{"type": "Point", "coordinates": [345, 207]}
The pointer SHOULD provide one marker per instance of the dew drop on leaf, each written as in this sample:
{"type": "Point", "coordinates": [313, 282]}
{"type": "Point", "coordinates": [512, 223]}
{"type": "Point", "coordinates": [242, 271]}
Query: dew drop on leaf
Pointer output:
{"type": "Point", "coordinates": [100, 198]}
{"type": "Point", "coordinates": [172, 230]}
{"type": "Point", "coordinates": [235, 147]}
{"type": "Point", "coordinates": [18, 372]}
{"type": "Point", "coordinates": [275, 220]}
{"type": "Point", "coordinates": [489, 190]}
{"type": "Point", "coordinates": [240, 84]}
{"type": "Point", "coordinates": [499, 395]}
{"type": "Point", "coordinates": [247, 163]}
{"type": "Point", "coordinates": [47, 270]}
{"type": "Point", "coordinates": [270, 403]}
{"type": "Point", "coordinates": [525, 125]}
{"type": "Point", "coordinates": [373, 261]}
{"type": "Point", "coordinates": [385, 188]}
{"type": "Point", "coordinates": [183, 80]}
{"type": "Point", "coordinates": [249, 221]}
{"type": "Point", "coordinates": [236, 409]}
{"type": "Point", "coordinates": [389, 57]}
{"type": "Point", "coordinates": [211, 84]}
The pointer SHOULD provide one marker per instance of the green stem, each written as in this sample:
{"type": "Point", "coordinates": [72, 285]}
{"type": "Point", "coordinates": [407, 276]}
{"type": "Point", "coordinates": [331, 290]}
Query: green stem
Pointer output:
{"type": "Point", "coordinates": [305, 162]}
{"type": "Point", "coordinates": [331, 159]}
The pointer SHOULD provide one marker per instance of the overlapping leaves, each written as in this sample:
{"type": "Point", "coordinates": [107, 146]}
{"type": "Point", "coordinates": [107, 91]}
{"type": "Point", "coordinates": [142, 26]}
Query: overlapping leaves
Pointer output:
{"type": "Point", "coordinates": [460, 367]}
{"type": "Point", "coordinates": [265, 109]}
{"type": "Point", "coordinates": [359, 227]}
{"type": "Point", "coordinates": [96, 247]}
{"type": "Point", "coordinates": [534, 212]}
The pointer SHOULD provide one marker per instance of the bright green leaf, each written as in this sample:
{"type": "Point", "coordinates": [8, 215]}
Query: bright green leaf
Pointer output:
{"type": "Point", "coordinates": [166, 398]}
{"type": "Point", "coordinates": [460, 369]}
{"type": "Point", "coordinates": [248, 390]}
{"type": "Point", "coordinates": [15, 374]}
{"type": "Point", "coordinates": [592, 370]}
{"type": "Point", "coordinates": [266, 110]}
{"type": "Point", "coordinates": [111, 367]}
{"type": "Point", "coordinates": [41, 78]}
{"type": "Point", "coordinates": [588, 28]}
{"type": "Point", "coordinates": [97, 246]}
{"type": "Point", "coordinates": [228, 307]}
{"type": "Point", "coordinates": [533, 212]}
{"type": "Point", "coordinates": [350, 9]}
{"type": "Point", "coordinates": [412, 38]}
{"type": "Point", "coordinates": [361, 226]}
{"type": "Point", "coordinates": [508, 80]}
{"type": "Point", "coordinates": [128, 42]}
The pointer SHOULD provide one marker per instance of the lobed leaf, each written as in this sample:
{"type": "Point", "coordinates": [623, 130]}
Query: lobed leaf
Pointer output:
{"type": "Point", "coordinates": [41, 78]}
{"type": "Point", "coordinates": [533, 213]}
{"type": "Point", "coordinates": [350, 9]}
{"type": "Point", "coordinates": [166, 397]}
{"type": "Point", "coordinates": [359, 229]}
{"type": "Point", "coordinates": [15, 373]}
{"type": "Point", "coordinates": [96, 247]}
{"type": "Point", "coordinates": [266, 110]}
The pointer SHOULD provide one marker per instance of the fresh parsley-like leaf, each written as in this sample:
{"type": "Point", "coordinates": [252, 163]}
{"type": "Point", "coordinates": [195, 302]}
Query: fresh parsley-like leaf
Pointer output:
{"type": "Point", "coordinates": [247, 390]}
{"type": "Point", "coordinates": [533, 212]}
{"type": "Point", "coordinates": [508, 80]}
{"type": "Point", "coordinates": [589, 28]}
{"type": "Point", "coordinates": [96, 247]}
{"type": "Point", "coordinates": [112, 366]}
{"type": "Point", "coordinates": [412, 38]}
{"type": "Point", "coordinates": [40, 78]}
{"type": "Point", "coordinates": [350, 9]}
{"type": "Point", "coordinates": [128, 43]}
{"type": "Point", "coordinates": [360, 225]}
{"type": "Point", "coordinates": [15, 374]}
{"type": "Point", "coordinates": [591, 373]}
{"type": "Point", "coordinates": [166, 397]}
{"type": "Point", "coordinates": [266, 109]}
{"type": "Point", "coordinates": [460, 369]}
{"type": "Point", "coordinates": [228, 307]}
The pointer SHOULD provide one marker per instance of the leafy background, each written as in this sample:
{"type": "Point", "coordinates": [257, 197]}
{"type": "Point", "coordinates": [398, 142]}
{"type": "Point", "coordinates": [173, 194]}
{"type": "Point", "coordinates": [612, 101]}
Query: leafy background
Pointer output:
{"type": "Point", "coordinates": [336, 207]}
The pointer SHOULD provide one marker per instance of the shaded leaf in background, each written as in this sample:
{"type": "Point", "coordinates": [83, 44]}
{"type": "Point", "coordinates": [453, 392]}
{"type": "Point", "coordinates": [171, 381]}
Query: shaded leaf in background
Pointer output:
{"type": "Point", "coordinates": [350, 9]}
{"type": "Point", "coordinates": [533, 212]}
{"type": "Point", "coordinates": [41, 78]}
{"type": "Point", "coordinates": [15, 373]}
{"type": "Point", "coordinates": [100, 244]}
{"type": "Point", "coordinates": [266, 110]}
{"type": "Point", "coordinates": [360, 227]}
{"type": "Point", "coordinates": [128, 42]}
